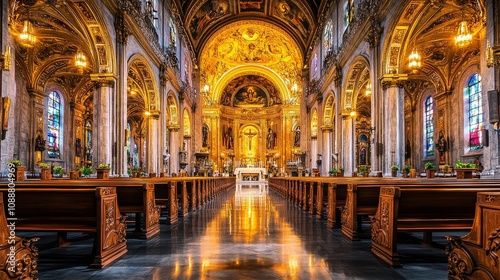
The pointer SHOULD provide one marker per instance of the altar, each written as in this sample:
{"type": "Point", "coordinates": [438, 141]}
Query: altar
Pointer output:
{"type": "Point", "coordinates": [250, 174]}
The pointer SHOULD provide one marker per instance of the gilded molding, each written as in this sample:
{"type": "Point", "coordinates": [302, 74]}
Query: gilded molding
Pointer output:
{"type": "Point", "coordinates": [374, 32]}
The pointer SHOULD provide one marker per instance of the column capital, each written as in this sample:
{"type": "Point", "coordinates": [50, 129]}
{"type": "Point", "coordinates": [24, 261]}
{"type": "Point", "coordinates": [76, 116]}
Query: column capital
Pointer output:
{"type": "Point", "coordinates": [173, 127]}
{"type": "Point", "coordinates": [103, 79]}
{"type": "Point", "coordinates": [121, 28]}
{"type": "Point", "coordinates": [393, 80]}
{"type": "Point", "coordinates": [326, 128]}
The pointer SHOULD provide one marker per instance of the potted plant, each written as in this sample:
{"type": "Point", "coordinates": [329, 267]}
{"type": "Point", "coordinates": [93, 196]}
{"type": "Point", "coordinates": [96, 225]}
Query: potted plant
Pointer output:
{"type": "Point", "coordinates": [333, 172]}
{"type": "Point", "coordinates": [406, 171]}
{"type": "Point", "coordinates": [363, 170]}
{"type": "Point", "coordinates": [394, 170]}
{"type": "Point", "coordinates": [86, 171]}
{"type": "Point", "coordinates": [447, 168]}
{"type": "Point", "coordinates": [16, 166]}
{"type": "Point", "coordinates": [45, 173]}
{"type": "Point", "coordinates": [340, 172]}
{"type": "Point", "coordinates": [59, 171]}
{"type": "Point", "coordinates": [430, 169]}
{"type": "Point", "coordinates": [103, 171]}
{"type": "Point", "coordinates": [136, 170]}
{"type": "Point", "coordinates": [464, 170]}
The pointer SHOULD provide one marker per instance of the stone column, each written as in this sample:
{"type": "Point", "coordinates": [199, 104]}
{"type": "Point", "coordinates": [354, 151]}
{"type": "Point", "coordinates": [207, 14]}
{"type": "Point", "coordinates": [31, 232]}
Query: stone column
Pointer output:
{"type": "Point", "coordinates": [393, 121]}
{"type": "Point", "coordinates": [327, 150]}
{"type": "Point", "coordinates": [162, 137]}
{"type": "Point", "coordinates": [119, 165]}
{"type": "Point", "coordinates": [152, 140]}
{"type": "Point", "coordinates": [174, 148]}
{"type": "Point", "coordinates": [102, 131]}
{"type": "Point", "coordinates": [349, 137]}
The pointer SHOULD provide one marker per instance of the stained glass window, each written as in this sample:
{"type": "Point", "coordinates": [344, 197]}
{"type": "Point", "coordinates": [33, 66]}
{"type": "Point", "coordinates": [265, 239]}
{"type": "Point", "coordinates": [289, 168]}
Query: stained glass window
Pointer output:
{"type": "Point", "coordinates": [475, 112]}
{"type": "Point", "coordinates": [54, 125]}
{"type": "Point", "coordinates": [315, 66]}
{"type": "Point", "coordinates": [173, 35]}
{"type": "Point", "coordinates": [348, 12]}
{"type": "Point", "coordinates": [328, 37]}
{"type": "Point", "coordinates": [429, 126]}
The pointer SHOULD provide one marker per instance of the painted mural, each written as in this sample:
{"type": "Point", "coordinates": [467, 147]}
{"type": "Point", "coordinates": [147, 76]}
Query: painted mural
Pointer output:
{"type": "Point", "coordinates": [250, 91]}
{"type": "Point", "coordinates": [207, 14]}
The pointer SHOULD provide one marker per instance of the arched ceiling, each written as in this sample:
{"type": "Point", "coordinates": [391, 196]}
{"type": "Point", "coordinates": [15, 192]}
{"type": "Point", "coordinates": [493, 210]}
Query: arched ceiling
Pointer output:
{"type": "Point", "coordinates": [203, 18]}
{"type": "Point", "coordinates": [254, 45]}
{"type": "Point", "coordinates": [62, 28]}
{"type": "Point", "coordinates": [431, 27]}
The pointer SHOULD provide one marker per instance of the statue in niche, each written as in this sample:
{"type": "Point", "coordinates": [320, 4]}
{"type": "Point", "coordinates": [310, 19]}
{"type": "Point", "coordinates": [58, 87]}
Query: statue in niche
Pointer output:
{"type": "Point", "coordinates": [296, 142]}
{"type": "Point", "coordinates": [228, 139]}
{"type": "Point", "coordinates": [271, 139]}
{"type": "Point", "coordinates": [205, 136]}
{"type": "Point", "coordinates": [78, 147]}
{"type": "Point", "coordinates": [40, 143]}
{"type": "Point", "coordinates": [362, 156]}
{"type": "Point", "coordinates": [407, 149]}
{"type": "Point", "coordinates": [441, 147]}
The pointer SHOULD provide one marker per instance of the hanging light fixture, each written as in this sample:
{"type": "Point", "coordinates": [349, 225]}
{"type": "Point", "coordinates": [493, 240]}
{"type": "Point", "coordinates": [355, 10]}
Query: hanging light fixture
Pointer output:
{"type": "Point", "coordinates": [27, 37]}
{"type": "Point", "coordinates": [368, 89]}
{"type": "Point", "coordinates": [463, 38]}
{"type": "Point", "coordinates": [80, 59]}
{"type": "Point", "coordinates": [414, 61]}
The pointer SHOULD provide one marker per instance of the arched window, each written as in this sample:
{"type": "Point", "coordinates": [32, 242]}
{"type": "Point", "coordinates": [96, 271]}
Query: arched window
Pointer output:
{"type": "Point", "coordinates": [473, 113]}
{"type": "Point", "coordinates": [54, 132]}
{"type": "Point", "coordinates": [314, 66]}
{"type": "Point", "coordinates": [152, 9]}
{"type": "Point", "coordinates": [429, 126]}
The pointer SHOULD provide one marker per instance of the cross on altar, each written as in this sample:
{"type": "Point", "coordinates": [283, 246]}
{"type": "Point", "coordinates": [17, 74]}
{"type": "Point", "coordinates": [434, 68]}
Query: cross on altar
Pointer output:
{"type": "Point", "coordinates": [250, 135]}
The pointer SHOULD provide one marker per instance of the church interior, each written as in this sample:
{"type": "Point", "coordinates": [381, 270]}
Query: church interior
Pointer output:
{"type": "Point", "coordinates": [300, 89]}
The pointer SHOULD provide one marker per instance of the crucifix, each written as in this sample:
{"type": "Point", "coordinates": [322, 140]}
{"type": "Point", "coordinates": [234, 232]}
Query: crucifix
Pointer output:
{"type": "Point", "coordinates": [250, 135]}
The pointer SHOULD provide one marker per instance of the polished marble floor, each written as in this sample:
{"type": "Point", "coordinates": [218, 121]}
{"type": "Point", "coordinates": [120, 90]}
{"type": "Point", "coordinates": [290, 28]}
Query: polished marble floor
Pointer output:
{"type": "Point", "coordinates": [248, 234]}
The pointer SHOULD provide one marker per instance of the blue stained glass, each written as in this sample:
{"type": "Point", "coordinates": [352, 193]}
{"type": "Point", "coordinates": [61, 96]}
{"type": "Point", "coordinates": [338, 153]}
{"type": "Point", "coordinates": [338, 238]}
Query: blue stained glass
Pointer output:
{"type": "Point", "coordinates": [429, 126]}
{"type": "Point", "coordinates": [53, 124]}
{"type": "Point", "coordinates": [475, 113]}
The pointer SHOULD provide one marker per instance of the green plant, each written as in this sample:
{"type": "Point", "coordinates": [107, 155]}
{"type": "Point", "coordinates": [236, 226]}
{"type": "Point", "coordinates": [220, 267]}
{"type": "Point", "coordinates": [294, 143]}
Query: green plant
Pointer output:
{"type": "Point", "coordinates": [104, 166]}
{"type": "Point", "coordinates": [446, 166]}
{"type": "Point", "coordinates": [59, 170]}
{"type": "Point", "coordinates": [406, 168]}
{"type": "Point", "coordinates": [333, 171]}
{"type": "Point", "coordinates": [15, 163]}
{"type": "Point", "coordinates": [362, 169]}
{"type": "Point", "coordinates": [394, 168]}
{"type": "Point", "coordinates": [341, 170]}
{"type": "Point", "coordinates": [460, 164]}
{"type": "Point", "coordinates": [429, 165]}
{"type": "Point", "coordinates": [136, 169]}
{"type": "Point", "coordinates": [86, 170]}
{"type": "Point", "coordinates": [43, 165]}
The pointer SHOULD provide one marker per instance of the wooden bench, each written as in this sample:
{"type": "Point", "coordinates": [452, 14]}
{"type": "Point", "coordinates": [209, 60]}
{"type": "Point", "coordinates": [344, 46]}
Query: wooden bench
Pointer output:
{"type": "Point", "coordinates": [420, 208]}
{"type": "Point", "coordinates": [75, 210]}
{"type": "Point", "coordinates": [22, 261]}
{"type": "Point", "coordinates": [476, 255]}
{"type": "Point", "coordinates": [134, 196]}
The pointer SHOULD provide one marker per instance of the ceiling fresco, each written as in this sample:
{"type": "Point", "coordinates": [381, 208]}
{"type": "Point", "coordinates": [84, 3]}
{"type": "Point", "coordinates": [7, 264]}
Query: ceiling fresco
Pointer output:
{"type": "Point", "coordinates": [251, 43]}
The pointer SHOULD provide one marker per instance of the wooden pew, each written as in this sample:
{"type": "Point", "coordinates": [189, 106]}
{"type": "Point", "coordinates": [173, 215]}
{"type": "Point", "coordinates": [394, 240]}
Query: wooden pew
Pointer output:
{"type": "Point", "coordinates": [18, 256]}
{"type": "Point", "coordinates": [420, 208]}
{"type": "Point", "coordinates": [134, 196]}
{"type": "Point", "coordinates": [476, 255]}
{"type": "Point", "coordinates": [75, 210]}
{"type": "Point", "coordinates": [166, 198]}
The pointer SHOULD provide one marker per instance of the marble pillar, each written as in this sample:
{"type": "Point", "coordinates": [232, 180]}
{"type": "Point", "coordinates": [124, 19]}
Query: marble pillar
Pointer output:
{"type": "Point", "coordinates": [327, 163]}
{"type": "Point", "coordinates": [151, 144]}
{"type": "Point", "coordinates": [393, 122]}
{"type": "Point", "coordinates": [348, 145]}
{"type": "Point", "coordinates": [102, 130]}
{"type": "Point", "coordinates": [174, 149]}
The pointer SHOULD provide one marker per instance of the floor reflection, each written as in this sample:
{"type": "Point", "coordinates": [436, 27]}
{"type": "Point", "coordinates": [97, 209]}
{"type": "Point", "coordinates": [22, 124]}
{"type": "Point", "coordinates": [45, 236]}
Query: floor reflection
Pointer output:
{"type": "Point", "coordinates": [250, 239]}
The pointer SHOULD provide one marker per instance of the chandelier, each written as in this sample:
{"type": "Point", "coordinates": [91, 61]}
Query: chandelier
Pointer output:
{"type": "Point", "coordinates": [80, 59]}
{"type": "Point", "coordinates": [27, 37]}
{"type": "Point", "coordinates": [414, 61]}
{"type": "Point", "coordinates": [463, 38]}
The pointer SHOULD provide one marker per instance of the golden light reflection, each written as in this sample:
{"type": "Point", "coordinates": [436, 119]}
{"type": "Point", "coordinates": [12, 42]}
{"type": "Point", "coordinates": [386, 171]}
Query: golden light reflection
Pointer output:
{"type": "Point", "coordinates": [248, 219]}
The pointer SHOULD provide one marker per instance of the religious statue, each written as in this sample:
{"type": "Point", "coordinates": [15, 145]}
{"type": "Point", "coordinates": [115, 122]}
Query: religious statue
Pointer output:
{"type": "Point", "coordinates": [78, 147]}
{"type": "Point", "coordinates": [39, 143]}
{"type": "Point", "coordinates": [271, 139]}
{"type": "Point", "coordinates": [441, 147]}
{"type": "Point", "coordinates": [407, 149]}
{"type": "Point", "coordinates": [228, 139]}
{"type": "Point", "coordinates": [296, 142]}
{"type": "Point", "coordinates": [204, 136]}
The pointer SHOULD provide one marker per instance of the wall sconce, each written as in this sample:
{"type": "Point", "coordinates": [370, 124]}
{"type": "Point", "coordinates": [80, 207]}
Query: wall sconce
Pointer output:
{"type": "Point", "coordinates": [352, 114]}
{"type": "Point", "coordinates": [490, 57]}
{"type": "Point", "coordinates": [5, 59]}
{"type": "Point", "coordinates": [319, 159]}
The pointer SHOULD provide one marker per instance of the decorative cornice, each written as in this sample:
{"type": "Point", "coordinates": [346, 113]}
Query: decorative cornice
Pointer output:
{"type": "Point", "coordinates": [390, 80]}
{"type": "Point", "coordinates": [103, 79]}
{"type": "Point", "coordinates": [122, 31]}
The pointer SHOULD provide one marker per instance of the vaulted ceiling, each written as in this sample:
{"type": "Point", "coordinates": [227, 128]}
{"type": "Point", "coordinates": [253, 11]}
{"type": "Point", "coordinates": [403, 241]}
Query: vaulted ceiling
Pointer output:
{"type": "Point", "coordinates": [203, 18]}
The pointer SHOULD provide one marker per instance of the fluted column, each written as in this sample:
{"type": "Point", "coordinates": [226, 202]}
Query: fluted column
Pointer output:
{"type": "Point", "coordinates": [151, 144]}
{"type": "Point", "coordinates": [102, 129]}
{"type": "Point", "coordinates": [393, 121]}
{"type": "Point", "coordinates": [348, 154]}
